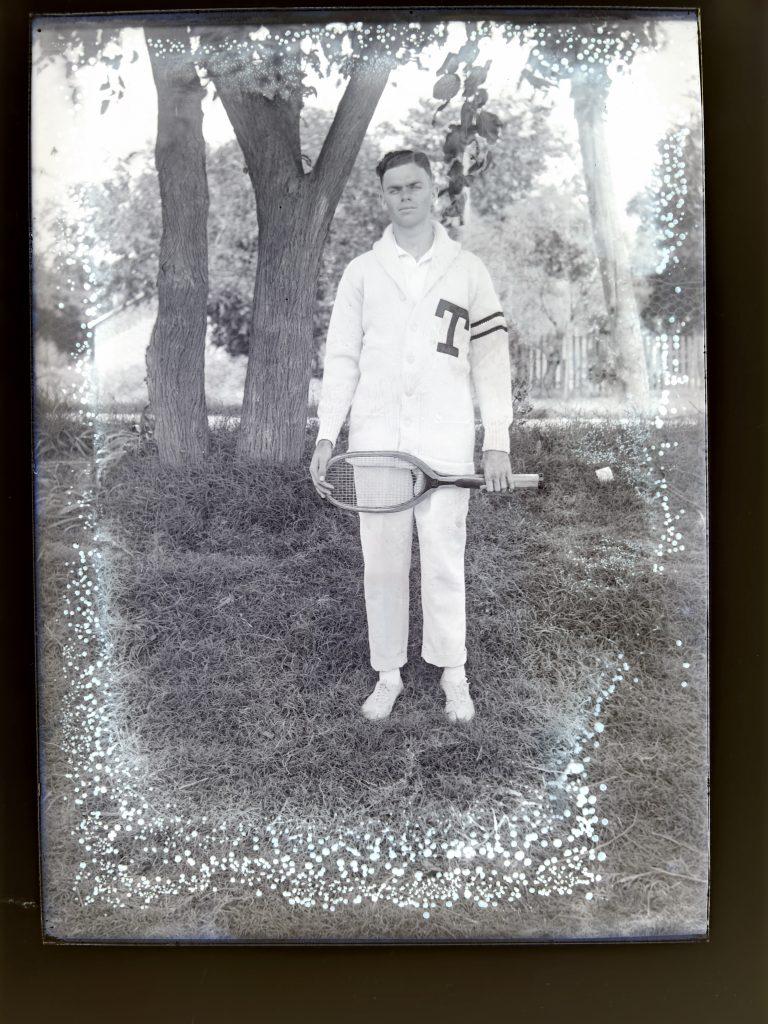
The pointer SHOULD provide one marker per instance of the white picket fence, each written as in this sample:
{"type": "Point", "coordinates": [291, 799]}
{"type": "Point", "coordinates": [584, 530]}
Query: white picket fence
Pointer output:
{"type": "Point", "coordinates": [572, 365]}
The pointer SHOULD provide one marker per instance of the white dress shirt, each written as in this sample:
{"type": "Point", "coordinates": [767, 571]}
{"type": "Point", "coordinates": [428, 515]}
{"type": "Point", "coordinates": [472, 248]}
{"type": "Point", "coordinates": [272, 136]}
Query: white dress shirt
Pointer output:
{"type": "Point", "coordinates": [416, 270]}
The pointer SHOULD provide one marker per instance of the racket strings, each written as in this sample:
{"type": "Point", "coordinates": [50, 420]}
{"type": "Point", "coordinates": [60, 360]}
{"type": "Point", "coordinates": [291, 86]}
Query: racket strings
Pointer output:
{"type": "Point", "coordinates": [375, 481]}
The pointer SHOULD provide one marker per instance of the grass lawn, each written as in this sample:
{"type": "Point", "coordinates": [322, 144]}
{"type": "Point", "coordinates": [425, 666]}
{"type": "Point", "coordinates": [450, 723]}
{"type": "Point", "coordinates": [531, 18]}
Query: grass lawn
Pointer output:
{"type": "Point", "coordinates": [239, 656]}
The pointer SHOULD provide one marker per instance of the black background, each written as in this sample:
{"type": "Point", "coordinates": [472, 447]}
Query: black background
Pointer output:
{"type": "Point", "coordinates": [722, 979]}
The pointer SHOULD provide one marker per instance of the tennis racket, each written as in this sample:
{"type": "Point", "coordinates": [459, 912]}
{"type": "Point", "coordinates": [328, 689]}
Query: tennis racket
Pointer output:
{"type": "Point", "coordinates": [394, 481]}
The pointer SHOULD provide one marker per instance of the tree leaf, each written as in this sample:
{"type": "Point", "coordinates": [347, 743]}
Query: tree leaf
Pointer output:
{"type": "Point", "coordinates": [454, 144]}
{"type": "Point", "coordinates": [104, 105]}
{"type": "Point", "coordinates": [475, 78]}
{"type": "Point", "coordinates": [450, 65]}
{"type": "Point", "coordinates": [469, 51]}
{"type": "Point", "coordinates": [446, 87]}
{"type": "Point", "coordinates": [488, 125]}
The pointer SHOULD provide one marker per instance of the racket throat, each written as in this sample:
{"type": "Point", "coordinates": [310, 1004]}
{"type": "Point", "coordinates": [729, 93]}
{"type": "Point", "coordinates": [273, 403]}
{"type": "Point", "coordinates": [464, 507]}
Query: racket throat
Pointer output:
{"type": "Point", "coordinates": [473, 480]}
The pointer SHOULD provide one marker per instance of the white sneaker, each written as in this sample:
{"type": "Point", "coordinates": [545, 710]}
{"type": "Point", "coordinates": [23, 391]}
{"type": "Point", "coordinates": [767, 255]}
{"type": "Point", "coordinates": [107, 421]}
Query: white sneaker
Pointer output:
{"type": "Point", "coordinates": [380, 703]}
{"type": "Point", "coordinates": [458, 703]}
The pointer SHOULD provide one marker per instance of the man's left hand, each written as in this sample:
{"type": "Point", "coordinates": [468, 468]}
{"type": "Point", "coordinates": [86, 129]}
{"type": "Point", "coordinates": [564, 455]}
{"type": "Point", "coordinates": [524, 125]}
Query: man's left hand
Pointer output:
{"type": "Point", "coordinates": [497, 470]}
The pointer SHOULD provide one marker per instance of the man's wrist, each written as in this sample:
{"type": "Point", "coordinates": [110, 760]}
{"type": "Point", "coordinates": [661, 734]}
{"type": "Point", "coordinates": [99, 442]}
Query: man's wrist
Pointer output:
{"type": "Point", "coordinates": [323, 440]}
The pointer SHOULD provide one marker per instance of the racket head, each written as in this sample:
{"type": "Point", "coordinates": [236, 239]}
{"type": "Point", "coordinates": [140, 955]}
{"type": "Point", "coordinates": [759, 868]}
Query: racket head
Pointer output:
{"type": "Point", "coordinates": [383, 481]}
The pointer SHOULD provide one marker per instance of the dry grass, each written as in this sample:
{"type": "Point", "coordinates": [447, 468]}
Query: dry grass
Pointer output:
{"type": "Point", "coordinates": [241, 653]}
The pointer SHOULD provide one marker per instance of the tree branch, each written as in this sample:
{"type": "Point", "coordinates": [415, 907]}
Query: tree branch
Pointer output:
{"type": "Point", "coordinates": [267, 129]}
{"type": "Point", "coordinates": [350, 123]}
{"type": "Point", "coordinates": [549, 315]}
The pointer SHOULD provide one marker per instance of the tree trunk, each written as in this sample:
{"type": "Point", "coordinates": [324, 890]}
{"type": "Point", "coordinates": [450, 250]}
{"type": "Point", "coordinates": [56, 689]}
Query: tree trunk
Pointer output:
{"type": "Point", "coordinates": [589, 96]}
{"type": "Point", "coordinates": [176, 352]}
{"type": "Point", "coordinates": [273, 424]}
{"type": "Point", "coordinates": [295, 210]}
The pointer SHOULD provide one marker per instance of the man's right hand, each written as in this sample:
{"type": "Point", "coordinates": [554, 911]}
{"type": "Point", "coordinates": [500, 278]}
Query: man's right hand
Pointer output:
{"type": "Point", "coordinates": [318, 466]}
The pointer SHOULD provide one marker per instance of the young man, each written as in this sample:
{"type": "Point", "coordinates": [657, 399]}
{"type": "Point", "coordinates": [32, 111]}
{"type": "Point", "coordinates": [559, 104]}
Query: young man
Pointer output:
{"type": "Point", "coordinates": [416, 322]}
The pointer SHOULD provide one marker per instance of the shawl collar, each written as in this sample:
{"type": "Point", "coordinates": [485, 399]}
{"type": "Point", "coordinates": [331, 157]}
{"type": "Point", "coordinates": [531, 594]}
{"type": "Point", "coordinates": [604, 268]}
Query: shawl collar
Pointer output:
{"type": "Point", "coordinates": [444, 253]}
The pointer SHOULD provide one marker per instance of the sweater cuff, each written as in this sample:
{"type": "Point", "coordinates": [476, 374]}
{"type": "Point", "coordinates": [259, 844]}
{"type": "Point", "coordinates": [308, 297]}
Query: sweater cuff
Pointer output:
{"type": "Point", "coordinates": [329, 428]}
{"type": "Point", "coordinates": [496, 436]}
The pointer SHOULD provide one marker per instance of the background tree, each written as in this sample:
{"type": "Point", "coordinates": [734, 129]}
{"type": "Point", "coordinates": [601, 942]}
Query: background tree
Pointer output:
{"type": "Point", "coordinates": [125, 217]}
{"type": "Point", "coordinates": [672, 229]}
{"type": "Point", "coordinates": [233, 245]}
{"type": "Point", "coordinates": [537, 250]}
{"type": "Point", "coordinates": [60, 289]}
{"type": "Point", "coordinates": [175, 356]}
{"type": "Point", "coordinates": [584, 55]}
{"type": "Point", "coordinates": [233, 234]}
{"type": "Point", "coordinates": [125, 213]}
{"type": "Point", "coordinates": [176, 352]}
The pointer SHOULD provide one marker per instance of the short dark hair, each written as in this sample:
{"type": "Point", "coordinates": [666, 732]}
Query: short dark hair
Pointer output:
{"type": "Point", "coordinates": [398, 157]}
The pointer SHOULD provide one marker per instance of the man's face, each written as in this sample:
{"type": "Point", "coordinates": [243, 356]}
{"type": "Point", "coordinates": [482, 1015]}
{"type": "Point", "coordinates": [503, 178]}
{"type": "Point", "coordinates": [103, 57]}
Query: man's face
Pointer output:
{"type": "Point", "coordinates": [407, 194]}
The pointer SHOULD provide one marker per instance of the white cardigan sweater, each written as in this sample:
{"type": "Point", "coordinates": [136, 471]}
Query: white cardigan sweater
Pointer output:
{"type": "Point", "coordinates": [407, 369]}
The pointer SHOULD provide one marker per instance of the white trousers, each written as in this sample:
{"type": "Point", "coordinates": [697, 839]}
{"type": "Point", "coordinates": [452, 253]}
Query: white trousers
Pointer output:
{"type": "Point", "coordinates": [387, 539]}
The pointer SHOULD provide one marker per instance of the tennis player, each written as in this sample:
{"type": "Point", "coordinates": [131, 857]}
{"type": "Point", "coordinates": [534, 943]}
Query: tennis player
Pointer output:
{"type": "Point", "coordinates": [416, 324]}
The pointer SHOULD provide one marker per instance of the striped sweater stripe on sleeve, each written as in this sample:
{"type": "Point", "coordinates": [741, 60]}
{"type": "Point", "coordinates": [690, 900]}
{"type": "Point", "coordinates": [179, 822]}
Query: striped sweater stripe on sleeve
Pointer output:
{"type": "Point", "coordinates": [488, 330]}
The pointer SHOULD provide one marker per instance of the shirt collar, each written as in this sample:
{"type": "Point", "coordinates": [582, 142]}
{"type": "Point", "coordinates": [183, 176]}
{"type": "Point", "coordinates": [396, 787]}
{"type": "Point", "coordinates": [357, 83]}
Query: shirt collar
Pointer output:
{"type": "Point", "coordinates": [445, 252]}
{"type": "Point", "coordinates": [422, 259]}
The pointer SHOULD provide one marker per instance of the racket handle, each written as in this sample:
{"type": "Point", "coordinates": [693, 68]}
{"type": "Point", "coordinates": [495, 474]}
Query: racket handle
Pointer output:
{"type": "Point", "coordinates": [477, 481]}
